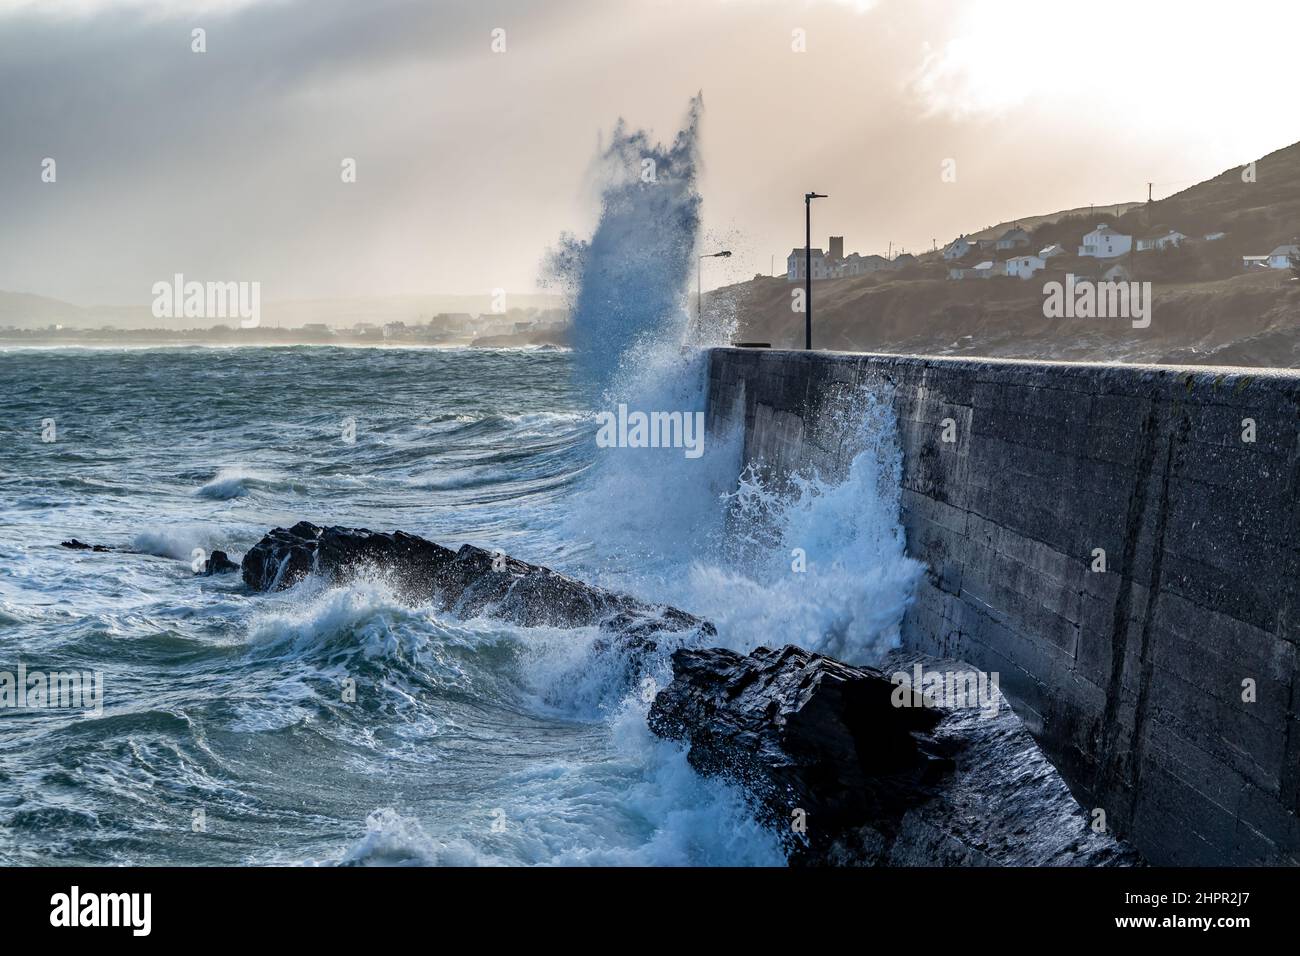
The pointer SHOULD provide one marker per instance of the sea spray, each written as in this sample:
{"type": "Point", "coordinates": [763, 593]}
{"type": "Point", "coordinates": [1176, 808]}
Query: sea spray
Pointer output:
{"type": "Point", "coordinates": [643, 508]}
{"type": "Point", "coordinates": [628, 282]}
{"type": "Point", "coordinates": [816, 560]}
{"type": "Point", "coordinates": [696, 531]}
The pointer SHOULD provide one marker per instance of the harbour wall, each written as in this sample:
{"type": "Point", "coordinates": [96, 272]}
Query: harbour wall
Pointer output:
{"type": "Point", "coordinates": [1118, 543]}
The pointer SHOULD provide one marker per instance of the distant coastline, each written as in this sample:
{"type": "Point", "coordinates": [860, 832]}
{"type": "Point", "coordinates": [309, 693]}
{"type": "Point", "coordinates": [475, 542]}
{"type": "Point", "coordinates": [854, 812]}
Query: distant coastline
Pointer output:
{"type": "Point", "coordinates": [555, 335]}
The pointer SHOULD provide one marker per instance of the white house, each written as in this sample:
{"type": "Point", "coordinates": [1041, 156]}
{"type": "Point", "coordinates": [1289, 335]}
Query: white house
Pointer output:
{"type": "Point", "coordinates": [957, 248]}
{"type": "Point", "coordinates": [796, 264]}
{"type": "Point", "coordinates": [1105, 243]}
{"type": "Point", "coordinates": [1280, 258]}
{"type": "Point", "coordinates": [1214, 236]}
{"type": "Point", "coordinates": [1171, 238]}
{"type": "Point", "coordinates": [856, 265]}
{"type": "Point", "coordinates": [1055, 249]}
{"type": "Point", "coordinates": [1012, 238]}
{"type": "Point", "coordinates": [1283, 256]}
{"type": "Point", "coordinates": [1024, 267]}
{"type": "Point", "coordinates": [985, 270]}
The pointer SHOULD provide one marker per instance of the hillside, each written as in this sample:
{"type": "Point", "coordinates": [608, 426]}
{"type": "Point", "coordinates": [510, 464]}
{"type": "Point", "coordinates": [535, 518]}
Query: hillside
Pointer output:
{"type": "Point", "coordinates": [1245, 320]}
{"type": "Point", "coordinates": [1033, 222]}
{"type": "Point", "coordinates": [1206, 309]}
{"type": "Point", "coordinates": [24, 311]}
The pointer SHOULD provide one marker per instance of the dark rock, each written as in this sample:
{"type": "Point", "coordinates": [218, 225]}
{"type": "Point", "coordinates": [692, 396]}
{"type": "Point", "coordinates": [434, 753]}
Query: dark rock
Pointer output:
{"type": "Point", "coordinates": [219, 563]}
{"type": "Point", "coordinates": [285, 556]}
{"type": "Point", "coordinates": [880, 784]}
{"type": "Point", "coordinates": [809, 737]}
{"type": "Point", "coordinates": [1004, 804]}
{"type": "Point", "coordinates": [469, 582]}
{"type": "Point", "coordinates": [76, 545]}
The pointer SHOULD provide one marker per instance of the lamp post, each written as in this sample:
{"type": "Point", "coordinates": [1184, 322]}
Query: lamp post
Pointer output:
{"type": "Point", "coordinates": [807, 266]}
{"type": "Point", "coordinates": [699, 288]}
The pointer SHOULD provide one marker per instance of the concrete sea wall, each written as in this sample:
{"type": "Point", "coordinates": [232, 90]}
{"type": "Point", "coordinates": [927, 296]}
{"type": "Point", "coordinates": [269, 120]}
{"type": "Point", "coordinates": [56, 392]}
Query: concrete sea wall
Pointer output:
{"type": "Point", "coordinates": [1164, 687]}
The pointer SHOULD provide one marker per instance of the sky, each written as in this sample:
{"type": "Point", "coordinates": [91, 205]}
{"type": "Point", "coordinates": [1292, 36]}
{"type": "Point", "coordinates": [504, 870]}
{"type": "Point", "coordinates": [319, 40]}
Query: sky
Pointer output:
{"type": "Point", "coordinates": [470, 163]}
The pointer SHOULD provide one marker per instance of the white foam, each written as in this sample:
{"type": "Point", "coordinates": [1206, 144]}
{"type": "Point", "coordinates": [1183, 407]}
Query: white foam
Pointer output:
{"type": "Point", "coordinates": [857, 581]}
{"type": "Point", "coordinates": [392, 839]}
{"type": "Point", "coordinates": [176, 541]}
{"type": "Point", "coordinates": [233, 482]}
{"type": "Point", "coordinates": [365, 615]}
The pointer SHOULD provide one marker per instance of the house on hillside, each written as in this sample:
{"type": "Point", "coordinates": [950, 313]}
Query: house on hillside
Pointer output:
{"type": "Point", "coordinates": [796, 265]}
{"type": "Point", "coordinates": [1024, 267]}
{"type": "Point", "coordinates": [1214, 236]}
{"type": "Point", "coordinates": [857, 265]}
{"type": "Point", "coordinates": [1171, 238]}
{"type": "Point", "coordinates": [1055, 249]}
{"type": "Point", "coordinates": [1283, 257]}
{"type": "Point", "coordinates": [833, 264]}
{"type": "Point", "coordinates": [1254, 262]}
{"type": "Point", "coordinates": [985, 270]}
{"type": "Point", "coordinates": [1105, 243]}
{"type": "Point", "coordinates": [957, 249]}
{"type": "Point", "coordinates": [1013, 238]}
{"type": "Point", "coordinates": [1116, 273]}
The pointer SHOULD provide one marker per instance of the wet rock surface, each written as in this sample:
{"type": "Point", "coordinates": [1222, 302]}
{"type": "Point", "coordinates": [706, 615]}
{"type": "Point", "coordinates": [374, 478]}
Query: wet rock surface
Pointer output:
{"type": "Point", "coordinates": [815, 741]}
{"type": "Point", "coordinates": [468, 582]}
{"type": "Point", "coordinates": [75, 545]}
{"type": "Point", "coordinates": [1004, 804]}
{"type": "Point", "coordinates": [847, 777]}
{"type": "Point", "coordinates": [219, 563]}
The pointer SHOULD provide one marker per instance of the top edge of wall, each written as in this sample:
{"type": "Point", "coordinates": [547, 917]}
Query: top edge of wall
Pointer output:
{"type": "Point", "coordinates": [1290, 376]}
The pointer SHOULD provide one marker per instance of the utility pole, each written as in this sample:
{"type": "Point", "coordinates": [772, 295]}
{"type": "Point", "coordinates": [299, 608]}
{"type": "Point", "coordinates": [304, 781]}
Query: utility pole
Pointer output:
{"type": "Point", "coordinates": [807, 259]}
{"type": "Point", "coordinates": [699, 285]}
{"type": "Point", "coordinates": [1149, 185]}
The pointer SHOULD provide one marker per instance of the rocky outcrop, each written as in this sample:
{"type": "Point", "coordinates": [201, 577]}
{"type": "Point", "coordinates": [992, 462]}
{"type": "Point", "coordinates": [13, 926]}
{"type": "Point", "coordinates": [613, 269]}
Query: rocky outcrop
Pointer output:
{"type": "Point", "coordinates": [817, 742]}
{"type": "Point", "coordinates": [219, 563]}
{"type": "Point", "coordinates": [850, 768]}
{"type": "Point", "coordinates": [1004, 804]}
{"type": "Point", "coordinates": [468, 582]}
{"type": "Point", "coordinates": [76, 545]}
{"type": "Point", "coordinates": [285, 556]}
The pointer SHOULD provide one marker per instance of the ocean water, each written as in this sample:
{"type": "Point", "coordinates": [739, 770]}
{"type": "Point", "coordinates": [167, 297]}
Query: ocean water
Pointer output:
{"type": "Point", "coordinates": [229, 732]}
{"type": "Point", "coordinates": [469, 742]}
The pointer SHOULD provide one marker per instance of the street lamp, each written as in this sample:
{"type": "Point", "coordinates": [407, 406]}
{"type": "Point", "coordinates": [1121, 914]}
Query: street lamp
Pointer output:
{"type": "Point", "coordinates": [807, 266]}
{"type": "Point", "coordinates": [699, 289]}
